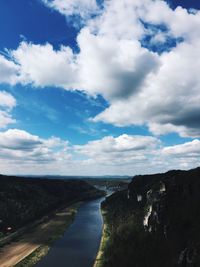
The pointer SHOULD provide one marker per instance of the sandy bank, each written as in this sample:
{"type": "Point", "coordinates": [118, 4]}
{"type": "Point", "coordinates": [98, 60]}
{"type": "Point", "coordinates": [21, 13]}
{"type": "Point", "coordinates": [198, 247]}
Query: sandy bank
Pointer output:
{"type": "Point", "coordinates": [40, 236]}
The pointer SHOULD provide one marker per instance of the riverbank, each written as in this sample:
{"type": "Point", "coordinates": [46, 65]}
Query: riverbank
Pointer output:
{"type": "Point", "coordinates": [104, 239]}
{"type": "Point", "coordinates": [80, 243]}
{"type": "Point", "coordinates": [29, 249]}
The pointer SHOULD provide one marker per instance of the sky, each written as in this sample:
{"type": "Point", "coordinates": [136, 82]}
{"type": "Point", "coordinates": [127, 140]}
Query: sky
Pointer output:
{"type": "Point", "coordinates": [99, 87]}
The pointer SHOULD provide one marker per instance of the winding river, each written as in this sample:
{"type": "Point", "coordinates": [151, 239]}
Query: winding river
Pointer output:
{"type": "Point", "coordinates": [79, 245]}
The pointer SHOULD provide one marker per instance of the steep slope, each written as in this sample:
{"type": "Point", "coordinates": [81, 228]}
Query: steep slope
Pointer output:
{"type": "Point", "coordinates": [23, 200]}
{"type": "Point", "coordinates": [156, 222]}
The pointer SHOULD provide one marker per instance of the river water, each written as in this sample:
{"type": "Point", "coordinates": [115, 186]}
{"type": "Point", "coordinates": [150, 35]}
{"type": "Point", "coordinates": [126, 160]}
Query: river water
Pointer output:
{"type": "Point", "coordinates": [80, 243]}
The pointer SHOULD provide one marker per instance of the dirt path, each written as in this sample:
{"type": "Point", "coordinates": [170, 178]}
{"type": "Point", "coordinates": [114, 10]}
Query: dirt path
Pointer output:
{"type": "Point", "coordinates": [14, 252]}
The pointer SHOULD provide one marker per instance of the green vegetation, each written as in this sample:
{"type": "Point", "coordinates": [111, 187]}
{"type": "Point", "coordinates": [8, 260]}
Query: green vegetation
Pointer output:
{"type": "Point", "coordinates": [24, 200]}
{"type": "Point", "coordinates": [171, 237]}
{"type": "Point", "coordinates": [34, 257]}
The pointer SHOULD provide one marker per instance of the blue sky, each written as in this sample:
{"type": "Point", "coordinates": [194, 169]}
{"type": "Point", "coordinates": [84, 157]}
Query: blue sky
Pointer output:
{"type": "Point", "coordinates": [94, 88]}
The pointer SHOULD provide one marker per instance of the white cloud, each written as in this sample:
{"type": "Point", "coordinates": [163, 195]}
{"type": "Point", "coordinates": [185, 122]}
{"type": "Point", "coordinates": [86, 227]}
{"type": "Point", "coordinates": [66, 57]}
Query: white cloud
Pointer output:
{"type": "Point", "coordinates": [24, 153]}
{"type": "Point", "coordinates": [188, 149]}
{"type": "Point", "coordinates": [119, 19]}
{"type": "Point", "coordinates": [122, 143]}
{"type": "Point", "coordinates": [7, 103]}
{"type": "Point", "coordinates": [121, 77]}
{"type": "Point", "coordinates": [83, 8]}
{"type": "Point", "coordinates": [18, 140]}
{"type": "Point", "coordinates": [122, 150]}
{"type": "Point", "coordinates": [169, 101]}
{"type": "Point", "coordinates": [111, 67]}
{"type": "Point", "coordinates": [142, 87]}
{"type": "Point", "coordinates": [184, 155]}
{"type": "Point", "coordinates": [180, 22]}
{"type": "Point", "coordinates": [43, 66]}
{"type": "Point", "coordinates": [130, 154]}
{"type": "Point", "coordinates": [7, 100]}
{"type": "Point", "coordinates": [5, 119]}
{"type": "Point", "coordinates": [8, 71]}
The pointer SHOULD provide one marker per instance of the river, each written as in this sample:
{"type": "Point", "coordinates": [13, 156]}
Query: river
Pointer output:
{"type": "Point", "coordinates": [80, 243]}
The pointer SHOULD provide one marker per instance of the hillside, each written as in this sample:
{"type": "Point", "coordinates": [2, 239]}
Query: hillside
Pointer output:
{"type": "Point", "coordinates": [23, 200]}
{"type": "Point", "coordinates": [156, 222]}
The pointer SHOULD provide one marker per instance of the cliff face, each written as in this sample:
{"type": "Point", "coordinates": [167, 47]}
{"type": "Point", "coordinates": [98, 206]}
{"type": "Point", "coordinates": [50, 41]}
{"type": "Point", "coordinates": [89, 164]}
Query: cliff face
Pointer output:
{"type": "Point", "coordinates": [161, 214]}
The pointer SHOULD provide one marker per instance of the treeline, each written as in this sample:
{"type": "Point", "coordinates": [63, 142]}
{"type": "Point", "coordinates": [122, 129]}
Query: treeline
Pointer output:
{"type": "Point", "coordinates": [156, 222]}
{"type": "Point", "coordinates": [23, 200]}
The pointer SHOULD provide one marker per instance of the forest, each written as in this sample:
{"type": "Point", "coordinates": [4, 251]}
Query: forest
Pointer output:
{"type": "Point", "coordinates": [155, 222]}
{"type": "Point", "coordinates": [24, 200]}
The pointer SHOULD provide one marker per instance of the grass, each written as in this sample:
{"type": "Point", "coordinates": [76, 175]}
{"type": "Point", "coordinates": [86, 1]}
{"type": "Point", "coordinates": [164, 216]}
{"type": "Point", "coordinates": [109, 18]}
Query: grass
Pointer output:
{"type": "Point", "coordinates": [34, 257]}
{"type": "Point", "coordinates": [43, 250]}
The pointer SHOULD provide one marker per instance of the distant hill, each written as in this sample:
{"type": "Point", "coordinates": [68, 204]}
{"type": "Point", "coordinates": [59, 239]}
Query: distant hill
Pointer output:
{"type": "Point", "coordinates": [71, 177]}
{"type": "Point", "coordinates": [24, 200]}
{"type": "Point", "coordinates": [155, 222]}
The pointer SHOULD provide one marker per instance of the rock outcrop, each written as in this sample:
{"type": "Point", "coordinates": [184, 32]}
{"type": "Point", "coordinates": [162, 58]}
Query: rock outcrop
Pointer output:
{"type": "Point", "coordinates": [162, 211]}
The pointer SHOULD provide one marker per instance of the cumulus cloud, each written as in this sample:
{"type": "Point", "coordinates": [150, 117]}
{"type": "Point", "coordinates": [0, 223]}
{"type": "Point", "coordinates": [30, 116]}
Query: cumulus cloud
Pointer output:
{"type": "Point", "coordinates": [7, 100]}
{"type": "Point", "coordinates": [84, 9]}
{"type": "Point", "coordinates": [121, 150]}
{"type": "Point", "coordinates": [14, 139]}
{"type": "Point", "coordinates": [184, 155]}
{"type": "Point", "coordinates": [141, 86]}
{"type": "Point", "coordinates": [5, 119]}
{"type": "Point", "coordinates": [23, 152]}
{"type": "Point", "coordinates": [8, 71]}
{"type": "Point", "coordinates": [7, 103]}
{"type": "Point", "coordinates": [180, 22]}
{"type": "Point", "coordinates": [121, 77]}
{"type": "Point", "coordinates": [188, 149]}
{"type": "Point", "coordinates": [132, 154]}
{"type": "Point", "coordinates": [44, 66]}
{"type": "Point", "coordinates": [170, 99]}
{"type": "Point", "coordinates": [117, 67]}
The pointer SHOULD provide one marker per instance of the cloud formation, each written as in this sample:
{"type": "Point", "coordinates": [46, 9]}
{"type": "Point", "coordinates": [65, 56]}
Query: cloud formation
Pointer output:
{"type": "Point", "coordinates": [159, 90]}
{"type": "Point", "coordinates": [169, 101]}
{"type": "Point", "coordinates": [24, 153]}
{"type": "Point", "coordinates": [184, 155]}
{"type": "Point", "coordinates": [8, 71]}
{"type": "Point", "coordinates": [124, 150]}
{"type": "Point", "coordinates": [84, 9]}
{"type": "Point", "coordinates": [188, 149]}
{"type": "Point", "coordinates": [7, 103]}
{"type": "Point", "coordinates": [42, 66]}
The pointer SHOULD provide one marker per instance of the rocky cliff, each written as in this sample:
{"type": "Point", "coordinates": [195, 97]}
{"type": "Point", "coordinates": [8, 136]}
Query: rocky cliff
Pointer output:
{"type": "Point", "coordinates": [156, 222]}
